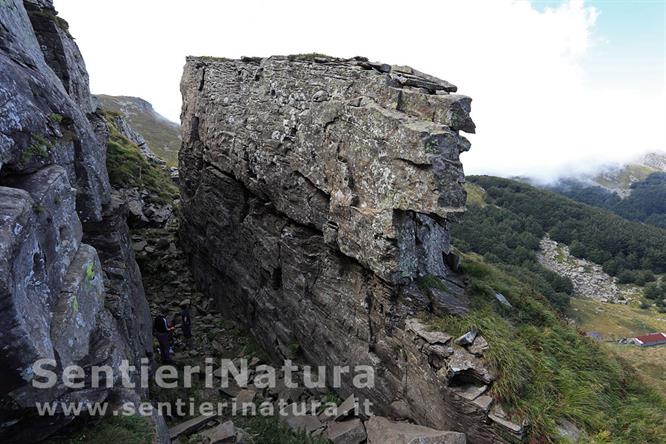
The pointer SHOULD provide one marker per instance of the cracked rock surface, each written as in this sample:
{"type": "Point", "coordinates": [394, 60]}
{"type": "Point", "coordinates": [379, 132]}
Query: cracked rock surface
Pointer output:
{"type": "Point", "coordinates": [316, 192]}
{"type": "Point", "coordinates": [70, 289]}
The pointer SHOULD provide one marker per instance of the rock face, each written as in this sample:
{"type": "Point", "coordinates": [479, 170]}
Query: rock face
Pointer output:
{"type": "Point", "coordinates": [70, 289]}
{"type": "Point", "coordinates": [316, 194]}
{"type": "Point", "coordinates": [383, 431]}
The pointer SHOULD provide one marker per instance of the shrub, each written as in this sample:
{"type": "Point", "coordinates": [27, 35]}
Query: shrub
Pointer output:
{"type": "Point", "coordinates": [55, 117]}
{"type": "Point", "coordinates": [652, 291]}
{"type": "Point", "coordinates": [627, 277]}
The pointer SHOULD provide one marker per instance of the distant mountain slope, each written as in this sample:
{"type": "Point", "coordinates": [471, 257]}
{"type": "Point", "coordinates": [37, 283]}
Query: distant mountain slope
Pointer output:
{"type": "Point", "coordinates": [516, 215]}
{"type": "Point", "coordinates": [161, 134]}
{"type": "Point", "coordinates": [619, 179]}
{"type": "Point", "coordinates": [646, 201]}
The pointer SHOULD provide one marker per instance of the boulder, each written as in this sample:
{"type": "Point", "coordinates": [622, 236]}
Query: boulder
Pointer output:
{"type": "Point", "coordinates": [57, 293]}
{"type": "Point", "coordinates": [479, 346]}
{"type": "Point", "coordinates": [80, 301]}
{"type": "Point", "coordinates": [463, 367]}
{"type": "Point", "coordinates": [223, 433]}
{"type": "Point", "coordinates": [125, 296]}
{"type": "Point", "coordinates": [190, 426]}
{"type": "Point", "coordinates": [38, 109]}
{"type": "Point", "coordinates": [346, 407]}
{"type": "Point", "coordinates": [468, 338]}
{"type": "Point", "coordinates": [484, 402]}
{"type": "Point", "coordinates": [384, 431]}
{"type": "Point", "coordinates": [502, 300]}
{"type": "Point", "coordinates": [312, 199]}
{"type": "Point", "coordinates": [40, 235]}
{"type": "Point", "coordinates": [300, 421]}
{"type": "Point", "coordinates": [470, 391]}
{"type": "Point", "coordinates": [450, 301]}
{"type": "Point", "coordinates": [422, 331]}
{"type": "Point", "coordinates": [346, 432]}
{"type": "Point", "coordinates": [568, 431]}
{"type": "Point", "coordinates": [501, 420]}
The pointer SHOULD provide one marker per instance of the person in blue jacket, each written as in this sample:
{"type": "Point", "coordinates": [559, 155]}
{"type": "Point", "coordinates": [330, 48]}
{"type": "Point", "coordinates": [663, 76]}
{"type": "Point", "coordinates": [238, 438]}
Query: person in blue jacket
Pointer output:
{"type": "Point", "coordinates": [163, 334]}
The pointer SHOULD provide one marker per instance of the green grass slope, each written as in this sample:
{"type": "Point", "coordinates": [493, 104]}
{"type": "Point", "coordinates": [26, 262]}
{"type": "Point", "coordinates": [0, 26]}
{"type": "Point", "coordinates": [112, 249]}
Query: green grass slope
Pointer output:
{"type": "Point", "coordinates": [162, 135]}
{"type": "Point", "coordinates": [128, 168]}
{"type": "Point", "coordinates": [548, 371]}
{"type": "Point", "coordinates": [110, 430]}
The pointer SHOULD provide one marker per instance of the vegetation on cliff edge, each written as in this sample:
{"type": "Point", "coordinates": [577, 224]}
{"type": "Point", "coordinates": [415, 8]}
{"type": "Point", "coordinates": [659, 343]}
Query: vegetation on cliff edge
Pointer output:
{"type": "Point", "coordinates": [128, 168]}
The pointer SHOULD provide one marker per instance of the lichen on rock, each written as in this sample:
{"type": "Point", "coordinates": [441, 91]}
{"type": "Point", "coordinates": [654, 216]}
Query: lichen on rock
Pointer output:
{"type": "Point", "coordinates": [316, 193]}
{"type": "Point", "coordinates": [64, 244]}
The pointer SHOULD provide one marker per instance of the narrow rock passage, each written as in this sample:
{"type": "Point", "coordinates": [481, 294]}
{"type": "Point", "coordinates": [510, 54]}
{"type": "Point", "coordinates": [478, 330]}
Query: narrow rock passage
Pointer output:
{"type": "Point", "coordinates": [168, 282]}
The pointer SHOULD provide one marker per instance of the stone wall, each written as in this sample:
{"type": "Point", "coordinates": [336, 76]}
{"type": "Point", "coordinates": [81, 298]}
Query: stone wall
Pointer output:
{"type": "Point", "coordinates": [316, 194]}
{"type": "Point", "coordinates": [70, 289]}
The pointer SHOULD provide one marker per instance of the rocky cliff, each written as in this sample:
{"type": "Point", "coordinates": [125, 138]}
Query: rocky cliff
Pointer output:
{"type": "Point", "coordinates": [70, 289]}
{"type": "Point", "coordinates": [316, 197]}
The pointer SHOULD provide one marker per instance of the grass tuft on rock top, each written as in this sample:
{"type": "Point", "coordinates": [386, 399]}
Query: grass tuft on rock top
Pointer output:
{"type": "Point", "coordinates": [548, 370]}
{"type": "Point", "coordinates": [128, 168]}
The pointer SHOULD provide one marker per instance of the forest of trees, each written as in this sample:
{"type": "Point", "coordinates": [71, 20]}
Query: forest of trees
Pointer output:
{"type": "Point", "coordinates": [646, 203]}
{"type": "Point", "coordinates": [511, 241]}
{"type": "Point", "coordinates": [509, 228]}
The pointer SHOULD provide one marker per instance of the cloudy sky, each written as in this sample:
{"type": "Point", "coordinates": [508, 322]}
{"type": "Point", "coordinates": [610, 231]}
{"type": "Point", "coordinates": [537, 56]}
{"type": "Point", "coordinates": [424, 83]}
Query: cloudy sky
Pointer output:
{"type": "Point", "coordinates": [557, 86]}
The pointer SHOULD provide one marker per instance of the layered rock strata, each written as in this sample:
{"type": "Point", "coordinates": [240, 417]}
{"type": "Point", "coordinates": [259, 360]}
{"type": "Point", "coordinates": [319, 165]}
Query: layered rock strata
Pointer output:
{"type": "Point", "coordinates": [316, 194]}
{"type": "Point", "coordinates": [70, 289]}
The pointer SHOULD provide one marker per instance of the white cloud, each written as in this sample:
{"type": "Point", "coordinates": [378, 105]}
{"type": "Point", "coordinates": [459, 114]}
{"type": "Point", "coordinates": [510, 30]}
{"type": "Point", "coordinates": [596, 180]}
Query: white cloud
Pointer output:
{"type": "Point", "coordinates": [537, 112]}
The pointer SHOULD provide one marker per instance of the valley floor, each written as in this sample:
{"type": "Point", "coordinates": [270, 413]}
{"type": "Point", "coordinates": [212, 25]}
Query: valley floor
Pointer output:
{"type": "Point", "coordinates": [613, 322]}
{"type": "Point", "coordinates": [609, 311]}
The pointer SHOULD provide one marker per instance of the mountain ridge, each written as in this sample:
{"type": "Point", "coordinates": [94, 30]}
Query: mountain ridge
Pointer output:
{"type": "Point", "coordinates": [161, 135]}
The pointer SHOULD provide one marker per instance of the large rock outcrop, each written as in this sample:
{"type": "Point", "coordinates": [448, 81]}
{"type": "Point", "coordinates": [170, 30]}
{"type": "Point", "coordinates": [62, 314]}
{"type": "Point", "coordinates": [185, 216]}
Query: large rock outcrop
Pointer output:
{"type": "Point", "coordinates": [316, 194]}
{"type": "Point", "coordinates": [70, 289]}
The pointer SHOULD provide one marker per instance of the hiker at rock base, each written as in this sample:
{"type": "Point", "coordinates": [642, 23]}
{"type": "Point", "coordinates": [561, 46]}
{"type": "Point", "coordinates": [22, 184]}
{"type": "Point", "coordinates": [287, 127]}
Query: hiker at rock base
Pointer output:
{"type": "Point", "coordinates": [186, 322]}
{"type": "Point", "coordinates": [162, 332]}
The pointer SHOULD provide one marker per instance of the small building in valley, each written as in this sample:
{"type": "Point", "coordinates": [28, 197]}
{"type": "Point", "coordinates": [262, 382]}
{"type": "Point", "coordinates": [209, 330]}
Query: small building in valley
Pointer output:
{"type": "Point", "coordinates": [649, 340]}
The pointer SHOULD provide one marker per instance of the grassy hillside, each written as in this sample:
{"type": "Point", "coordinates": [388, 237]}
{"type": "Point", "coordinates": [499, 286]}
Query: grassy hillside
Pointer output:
{"type": "Point", "coordinates": [549, 371]}
{"type": "Point", "coordinates": [476, 196]}
{"type": "Point", "coordinates": [622, 178]}
{"type": "Point", "coordinates": [109, 430]}
{"type": "Point", "coordinates": [615, 321]}
{"type": "Point", "coordinates": [510, 241]}
{"type": "Point", "coordinates": [162, 135]}
{"type": "Point", "coordinates": [129, 168]}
